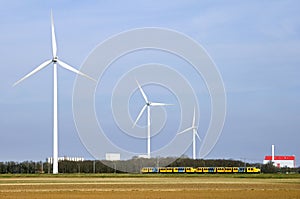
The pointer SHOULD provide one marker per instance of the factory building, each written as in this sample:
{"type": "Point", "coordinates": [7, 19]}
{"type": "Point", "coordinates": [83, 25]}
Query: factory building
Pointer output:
{"type": "Point", "coordinates": [280, 161]}
{"type": "Point", "coordinates": [65, 158]}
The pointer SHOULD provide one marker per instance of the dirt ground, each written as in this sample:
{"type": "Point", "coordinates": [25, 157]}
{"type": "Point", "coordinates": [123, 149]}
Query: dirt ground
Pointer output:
{"type": "Point", "coordinates": [152, 188]}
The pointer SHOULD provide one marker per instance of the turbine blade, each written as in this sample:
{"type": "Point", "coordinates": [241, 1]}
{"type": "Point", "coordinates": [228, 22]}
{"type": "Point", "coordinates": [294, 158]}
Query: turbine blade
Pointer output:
{"type": "Point", "coordinates": [140, 114]}
{"type": "Point", "coordinates": [43, 65]}
{"type": "Point", "coordinates": [184, 131]}
{"type": "Point", "coordinates": [159, 104]}
{"type": "Point", "coordinates": [54, 46]}
{"type": "Point", "coordinates": [197, 134]}
{"type": "Point", "coordinates": [142, 91]}
{"type": "Point", "coordinates": [70, 68]}
{"type": "Point", "coordinates": [194, 117]}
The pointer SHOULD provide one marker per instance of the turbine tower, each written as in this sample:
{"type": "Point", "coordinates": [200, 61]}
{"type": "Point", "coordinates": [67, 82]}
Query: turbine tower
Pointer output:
{"type": "Point", "coordinates": [55, 61]}
{"type": "Point", "coordinates": [194, 128]}
{"type": "Point", "coordinates": [147, 105]}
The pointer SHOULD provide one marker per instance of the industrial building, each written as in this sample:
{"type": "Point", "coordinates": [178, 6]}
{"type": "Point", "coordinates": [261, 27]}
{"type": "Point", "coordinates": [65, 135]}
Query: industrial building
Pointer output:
{"type": "Point", "coordinates": [65, 158]}
{"type": "Point", "coordinates": [112, 156]}
{"type": "Point", "coordinates": [280, 161]}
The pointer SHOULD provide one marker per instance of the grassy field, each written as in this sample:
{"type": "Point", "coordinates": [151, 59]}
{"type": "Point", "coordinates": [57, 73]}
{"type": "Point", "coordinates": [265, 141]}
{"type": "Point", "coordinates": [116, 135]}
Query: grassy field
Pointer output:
{"type": "Point", "coordinates": [133, 186]}
{"type": "Point", "coordinates": [126, 175]}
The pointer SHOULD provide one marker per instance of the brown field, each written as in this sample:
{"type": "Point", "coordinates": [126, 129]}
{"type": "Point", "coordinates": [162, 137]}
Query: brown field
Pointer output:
{"type": "Point", "coordinates": [149, 187]}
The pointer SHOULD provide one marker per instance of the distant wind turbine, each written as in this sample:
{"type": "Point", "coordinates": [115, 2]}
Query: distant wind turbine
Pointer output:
{"type": "Point", "coordinates": [194, 128]}
{"type": "Point", "coordinates": [147, 105]}
{"type": "Point", "coordinates": [55, 61]}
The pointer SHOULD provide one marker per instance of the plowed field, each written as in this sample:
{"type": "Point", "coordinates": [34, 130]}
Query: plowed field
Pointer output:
{"type": "Point", "coordinates": [150, 187]}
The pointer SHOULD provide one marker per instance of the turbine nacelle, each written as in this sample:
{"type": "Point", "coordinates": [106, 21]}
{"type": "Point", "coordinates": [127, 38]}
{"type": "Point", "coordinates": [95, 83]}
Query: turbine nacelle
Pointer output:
{"type": "Point", "coordinates": [54, 59]}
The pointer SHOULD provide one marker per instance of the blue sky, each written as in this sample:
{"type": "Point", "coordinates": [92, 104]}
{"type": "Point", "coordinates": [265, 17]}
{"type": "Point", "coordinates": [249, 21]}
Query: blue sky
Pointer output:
{"type": "Point", "coordinates": [254, 44]}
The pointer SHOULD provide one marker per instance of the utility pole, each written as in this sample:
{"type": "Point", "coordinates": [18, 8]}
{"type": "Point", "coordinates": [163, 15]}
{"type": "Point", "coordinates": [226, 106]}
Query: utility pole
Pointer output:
{"type": "Point", "coordinates": [244, 160]}
{"type": "Point", "coordinates": [94, 166]}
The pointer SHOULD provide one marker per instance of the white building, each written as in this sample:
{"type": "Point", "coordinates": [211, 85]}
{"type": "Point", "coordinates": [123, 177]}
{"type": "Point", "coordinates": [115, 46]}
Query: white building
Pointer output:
{"type": "Point", "coordinates": [112, 156]}
{"type": "Point", "coordinates": [143, 156]}
{"type": "Point", "coordinates": [280, 161]}
{"type": "Point", "coordinates": [65, 158]}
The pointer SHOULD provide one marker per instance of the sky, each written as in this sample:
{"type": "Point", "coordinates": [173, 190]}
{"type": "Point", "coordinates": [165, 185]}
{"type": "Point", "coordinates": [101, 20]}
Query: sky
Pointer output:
{"type": "Point", "coordinates": [254, 44]}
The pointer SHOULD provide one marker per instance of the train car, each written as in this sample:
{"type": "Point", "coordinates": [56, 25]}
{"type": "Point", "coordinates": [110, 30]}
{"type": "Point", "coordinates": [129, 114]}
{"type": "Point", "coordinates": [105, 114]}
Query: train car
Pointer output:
{"type": "Point", "coordinates": [235, 170]}
{"type": "Point", "coordinates": [153, 170]}
{"type": "Point", "coordinates": [212, 169]}
{"type": "Point", "coordinates": [220, 170]}
{"type": "Point", "coordinates": [145, 170]}
{"type": "Point", "coordinates": [189, 170]}
{"type": "Point", "coordinates": [162, 170]}
{"type": "Point", "coordinates": [199, 170]}
{"type": "Point", "coordinates": [149, 170]}
{"type": "Point", "coordinates": [205, 169]}
{"type": "Point", "coordinates": [169, 170]}
{"type": "Point", "coordinates": [252, 170]}
{"type": "Point", "coordinates": [228, 169]}
{"type": "Point", "coordinates": [179, 170]}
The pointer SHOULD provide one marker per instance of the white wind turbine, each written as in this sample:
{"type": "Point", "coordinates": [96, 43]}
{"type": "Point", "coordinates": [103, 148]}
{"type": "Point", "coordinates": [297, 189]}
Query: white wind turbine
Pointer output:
{"type": "Point", "coordinates": [55, 61]}
{"type": "Point", "coordinates": [147, 105]}
{"type": "Point", "coordinates": [194, 128]}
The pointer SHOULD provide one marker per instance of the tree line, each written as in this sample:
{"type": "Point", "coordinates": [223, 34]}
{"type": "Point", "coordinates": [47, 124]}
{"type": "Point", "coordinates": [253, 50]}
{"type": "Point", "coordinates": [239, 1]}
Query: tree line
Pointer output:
{"type": "Point", "coordinates": [133, 165]}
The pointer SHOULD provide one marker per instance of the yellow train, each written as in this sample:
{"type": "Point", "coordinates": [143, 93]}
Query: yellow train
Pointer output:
{"type": "Point", "coordinates": [200, 170]}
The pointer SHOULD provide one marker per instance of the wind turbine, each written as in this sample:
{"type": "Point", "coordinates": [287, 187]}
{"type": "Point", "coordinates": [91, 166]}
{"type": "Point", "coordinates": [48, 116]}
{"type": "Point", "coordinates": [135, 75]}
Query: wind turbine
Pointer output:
{"type": "Point", "coordinates": [194, 128]}
{"type": "Point", "coordinates": [55, 61]}
{"type": "Point", "coordinates": [147, 105]}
